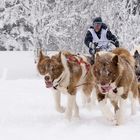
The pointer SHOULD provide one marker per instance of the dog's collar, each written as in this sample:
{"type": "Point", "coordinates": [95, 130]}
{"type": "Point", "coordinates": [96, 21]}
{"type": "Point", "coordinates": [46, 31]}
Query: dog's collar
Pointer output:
{"type": "Point", "coordinates": [59, 80]}
{"type": "Point", "coordinates": [115, 90]}
{"type": "Point", "coordinates": [55, 87]}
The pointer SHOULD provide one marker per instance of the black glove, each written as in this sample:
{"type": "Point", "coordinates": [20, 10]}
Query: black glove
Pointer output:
{"type": "Point", "coordinates": [95, 44]}
{"type": "Point", "coordinates": [91, 51]}
{"type": "Point", "coordinates": [116, 43]}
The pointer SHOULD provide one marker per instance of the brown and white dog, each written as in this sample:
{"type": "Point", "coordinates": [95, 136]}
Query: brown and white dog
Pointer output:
{"type": "Point", "coordinates": [65, 73]}
{"type": "Point", "coordinates": [115, 79]}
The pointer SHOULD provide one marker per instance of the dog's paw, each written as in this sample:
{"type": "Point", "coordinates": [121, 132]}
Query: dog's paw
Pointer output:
{"type": "Point", "coordinates": [68, 114]}
{"type": "Point", "coordinates": [60, 109]}
{"type": "Point", "coordinates": [110, 117]}
{"type": "Point", "coordinates": [76, 116]}
{"type": "Point", "coordinates": [113, 120]}
{"type": "Point", "coordinates": [119, 121]}
{"type": "Point", "coordinates": [68, 117]}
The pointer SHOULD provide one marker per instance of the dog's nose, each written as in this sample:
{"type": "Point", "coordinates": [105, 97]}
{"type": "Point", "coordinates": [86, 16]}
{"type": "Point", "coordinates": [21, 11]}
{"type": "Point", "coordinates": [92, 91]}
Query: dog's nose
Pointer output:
{"type": "Point", "coordinates": [47, 78]}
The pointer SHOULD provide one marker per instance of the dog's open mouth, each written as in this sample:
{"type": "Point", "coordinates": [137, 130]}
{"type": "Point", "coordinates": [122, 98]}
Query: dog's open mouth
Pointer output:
{"type": "Point", "coordinates": [106, 88]}
{"type": "Point", "coordinates": [49, 84]}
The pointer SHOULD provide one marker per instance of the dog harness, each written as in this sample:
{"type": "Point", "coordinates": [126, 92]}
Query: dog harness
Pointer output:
{"type": "Point", "coordinates": [72, 58]}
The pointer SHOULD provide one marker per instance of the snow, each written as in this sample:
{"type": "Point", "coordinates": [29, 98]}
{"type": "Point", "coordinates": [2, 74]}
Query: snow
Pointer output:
{"type": "Point", "coordinates": [27, 108]}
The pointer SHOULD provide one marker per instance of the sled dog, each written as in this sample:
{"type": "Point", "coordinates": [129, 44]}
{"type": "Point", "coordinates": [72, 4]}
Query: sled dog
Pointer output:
{"type": "Point", "coordinates": [66, 73]}
{"type": "Point", "coordinates": [115, 79]}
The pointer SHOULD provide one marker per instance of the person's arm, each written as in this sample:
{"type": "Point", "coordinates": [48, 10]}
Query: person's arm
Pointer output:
{"type": "Point", "coordinates": [113, 38]}
{"type": "Point", "coordinates": [88, 38]}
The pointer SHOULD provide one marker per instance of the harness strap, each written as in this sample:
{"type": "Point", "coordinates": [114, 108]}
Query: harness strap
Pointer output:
{"type": "Point", "coordinates": [72, 58]}
{"type": "Point", "coordinates": [87, 83]}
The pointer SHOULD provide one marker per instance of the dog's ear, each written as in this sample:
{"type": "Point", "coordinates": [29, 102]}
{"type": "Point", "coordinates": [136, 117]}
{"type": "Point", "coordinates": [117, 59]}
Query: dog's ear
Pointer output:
{"type": "Point", "coordinates": [136, 54]}
{"type": "Point", "coordinates": [41, 55]}
{"type": "Point", "coordinates": [115, 60]}
{"type": "Point", "coordinates": [59, 56]}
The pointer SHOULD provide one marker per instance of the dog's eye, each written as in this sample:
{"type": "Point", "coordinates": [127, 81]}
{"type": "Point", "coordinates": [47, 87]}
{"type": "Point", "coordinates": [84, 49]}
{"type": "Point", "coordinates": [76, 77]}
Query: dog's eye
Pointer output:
{"type": "Point", "coordinates": [53, 68]}
{"type": "Point", "coordinates": [109, 73]}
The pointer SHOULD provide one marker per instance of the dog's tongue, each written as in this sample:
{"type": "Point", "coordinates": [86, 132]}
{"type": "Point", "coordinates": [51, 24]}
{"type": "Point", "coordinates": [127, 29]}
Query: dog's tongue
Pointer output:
{"type": "Point", "coordinates": [106, 89]}
{"type": "Point", "coordinates": [48, 84]}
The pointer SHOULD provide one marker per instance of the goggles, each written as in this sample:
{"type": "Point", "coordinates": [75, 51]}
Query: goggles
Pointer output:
{"type": "Point", "coordinates": [97, 24]}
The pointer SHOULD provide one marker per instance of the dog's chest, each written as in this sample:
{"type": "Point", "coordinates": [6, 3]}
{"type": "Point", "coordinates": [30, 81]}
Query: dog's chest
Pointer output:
{"type": "Point", "coordinates": [62, 86]}
{"type": "Point", "coordinates": [116, 93]}
{"type": "Point", "coordinates": [62, 89]}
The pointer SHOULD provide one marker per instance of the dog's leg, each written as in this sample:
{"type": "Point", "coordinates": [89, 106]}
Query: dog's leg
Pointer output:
{"type": "Point", "coordinates": [105, 110]}
{"type": "Point", "coordinates": [76, 110]}
{"type": "Point", "coordinates": [102, 99]}
{"type": "Point", "coordinates": [83, 99]}
{"type": "Point", "coordinates": [115, 105]}
{"type": "Point", "coordinates": [57, 100]}
{"type": "Point", "coordinates": [133, 106]}
{"type": "Point", "coordinates": [139, 92]}
{"type": "Point", "coordinates": [133, 95]}
{"type": "Point", "coordinates": [120, 113]}
{"type": "Point", "coordinates": [89, 104]}
{"type": "Point", "coordinates": [93, 97]}
{"type": "Point", "coordinates": [89, 96]}
{"type": "Point", "coordinates": [70, 105]}
{"type": "Point", "coordinates": [133, 103]}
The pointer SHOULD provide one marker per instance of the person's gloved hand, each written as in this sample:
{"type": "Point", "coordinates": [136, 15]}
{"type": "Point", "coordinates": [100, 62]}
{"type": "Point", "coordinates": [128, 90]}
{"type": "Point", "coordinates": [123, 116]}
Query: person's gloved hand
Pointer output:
{"type": "Point", "coordinates": [95, 44]}
{"type": "Point", "coordinates": [116, 43]}
{"type": "Point", "coordinates": [91, 51]}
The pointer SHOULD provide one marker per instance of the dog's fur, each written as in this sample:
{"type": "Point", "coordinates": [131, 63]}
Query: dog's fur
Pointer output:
{"type": "Point", "coordinates": [43, 63]}
{"type": "Point", "coordinates": [115, 79]}
{"type": "Point", "coordinates": [137, 68]}
{"type": "Point", "coordinates": [137, 64]}
{"type": "Point", "coordinates": [65, 72]}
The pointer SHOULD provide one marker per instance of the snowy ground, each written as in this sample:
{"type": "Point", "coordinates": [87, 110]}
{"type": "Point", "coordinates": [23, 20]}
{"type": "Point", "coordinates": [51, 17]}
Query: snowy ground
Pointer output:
{"type": "Point", "coordinates": [27, 109]}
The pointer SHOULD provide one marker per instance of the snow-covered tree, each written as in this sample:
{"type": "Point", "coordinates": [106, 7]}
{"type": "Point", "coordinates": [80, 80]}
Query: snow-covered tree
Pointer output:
{"type": "Point", "coordinates": [62, 24]}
